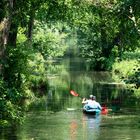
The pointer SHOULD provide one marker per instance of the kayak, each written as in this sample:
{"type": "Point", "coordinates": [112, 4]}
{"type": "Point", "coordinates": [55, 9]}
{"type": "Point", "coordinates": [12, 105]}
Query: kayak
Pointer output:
{"type": "Point", "coordinates": [88, 110]}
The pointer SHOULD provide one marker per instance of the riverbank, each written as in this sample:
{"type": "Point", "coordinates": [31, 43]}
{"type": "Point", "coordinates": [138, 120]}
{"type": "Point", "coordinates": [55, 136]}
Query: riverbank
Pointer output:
{"type": "Point", "coordinates": [128, 71]}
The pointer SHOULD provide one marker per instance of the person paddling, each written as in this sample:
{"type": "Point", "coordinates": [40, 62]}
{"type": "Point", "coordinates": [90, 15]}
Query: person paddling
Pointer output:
{"type": "Point", "coordinates": [91, 103]}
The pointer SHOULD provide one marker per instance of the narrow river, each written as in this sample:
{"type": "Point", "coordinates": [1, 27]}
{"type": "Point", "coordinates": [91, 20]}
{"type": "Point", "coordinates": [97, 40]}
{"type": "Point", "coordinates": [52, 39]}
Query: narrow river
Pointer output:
{"type": "Point", "coordinates": [59, 116]}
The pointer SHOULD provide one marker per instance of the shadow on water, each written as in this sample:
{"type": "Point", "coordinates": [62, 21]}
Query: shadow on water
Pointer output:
{"type": "Point", "coordinates": [8, 133]}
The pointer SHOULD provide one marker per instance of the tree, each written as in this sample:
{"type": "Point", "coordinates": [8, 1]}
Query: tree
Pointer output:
{"type": "Point", "coordinates": [107, 31]}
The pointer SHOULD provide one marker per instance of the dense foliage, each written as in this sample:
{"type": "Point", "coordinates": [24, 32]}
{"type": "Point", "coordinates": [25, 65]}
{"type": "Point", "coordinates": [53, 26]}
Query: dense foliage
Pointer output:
{"type": "Point", "coordinates": [33, 31]}
{"type": "Point", "coordinates": [106, 30]}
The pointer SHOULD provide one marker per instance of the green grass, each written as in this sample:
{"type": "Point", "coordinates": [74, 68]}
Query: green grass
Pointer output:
{"type": "Point", "coordinates": [123, 69]}
{"type": "Point", "coordinates": [126, 67]}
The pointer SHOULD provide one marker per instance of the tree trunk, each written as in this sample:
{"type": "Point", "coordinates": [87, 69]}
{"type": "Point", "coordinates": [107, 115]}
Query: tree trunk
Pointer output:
{"type": "Point", "coordinates": [31, 24]}
{"type": "Point", "coordinates": [8, 29]}
{"type": "Point", "coordinates": [12, 37]}
{"type": "Point", "coordinates": [9, 25]}
{"type": "Point", "coordinates": [4, 32]}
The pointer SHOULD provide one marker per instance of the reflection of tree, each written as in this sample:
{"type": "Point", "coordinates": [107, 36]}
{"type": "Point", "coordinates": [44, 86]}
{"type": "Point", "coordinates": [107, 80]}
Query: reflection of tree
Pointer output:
{"type": "Point", "coordinates": [11, 135]}
{"type": "Point", "coordinates": [84, 83]}
{"type": "Point", "coordinates": [110, 94]}
{"type": "Point", "coordinates": [81, 83]}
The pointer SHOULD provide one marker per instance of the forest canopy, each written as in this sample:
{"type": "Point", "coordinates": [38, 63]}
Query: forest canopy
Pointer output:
{"type": "Point", "coordinates": [33, 31]}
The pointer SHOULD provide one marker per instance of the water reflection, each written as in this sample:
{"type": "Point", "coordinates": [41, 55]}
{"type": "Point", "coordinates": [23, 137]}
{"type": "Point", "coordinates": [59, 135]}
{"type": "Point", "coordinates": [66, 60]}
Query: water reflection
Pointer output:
{"type": "Point", "coordinates": [100, 84]}
{"type": "Point", "coordinates": [91, 126]}
{"type": "Point", "coordinates": [8, 133]}
{"type": "Point", "coordinates": [73, 129]}
{"type": "Point", "coordinates": [84, 83]}
{"type": "Point", "coordinates": [88, 128]}
{"type": "Point", "coordinates": [57, 123]}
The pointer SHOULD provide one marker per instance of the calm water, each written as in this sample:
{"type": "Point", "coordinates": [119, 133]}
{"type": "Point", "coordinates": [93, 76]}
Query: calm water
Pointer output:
{"type": "Point", "coordinates": [73, 125]}
{"type": "Point", "coordinates": [58, 116]}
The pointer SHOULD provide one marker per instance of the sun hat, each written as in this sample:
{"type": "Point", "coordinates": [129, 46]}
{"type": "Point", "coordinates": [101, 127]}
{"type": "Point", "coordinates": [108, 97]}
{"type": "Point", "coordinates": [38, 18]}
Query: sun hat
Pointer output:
{"type": "Point", "coordinates": [92, 97]}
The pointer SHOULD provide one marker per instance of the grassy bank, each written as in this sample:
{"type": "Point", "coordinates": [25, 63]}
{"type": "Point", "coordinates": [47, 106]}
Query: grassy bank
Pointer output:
{"type": "Point", "coordinates": [128, 71]}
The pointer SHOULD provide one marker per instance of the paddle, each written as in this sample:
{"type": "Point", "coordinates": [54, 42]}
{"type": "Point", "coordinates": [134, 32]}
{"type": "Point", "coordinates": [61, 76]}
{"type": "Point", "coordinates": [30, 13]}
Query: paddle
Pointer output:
{"type": "Point", "coordinates": [72, 92]}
